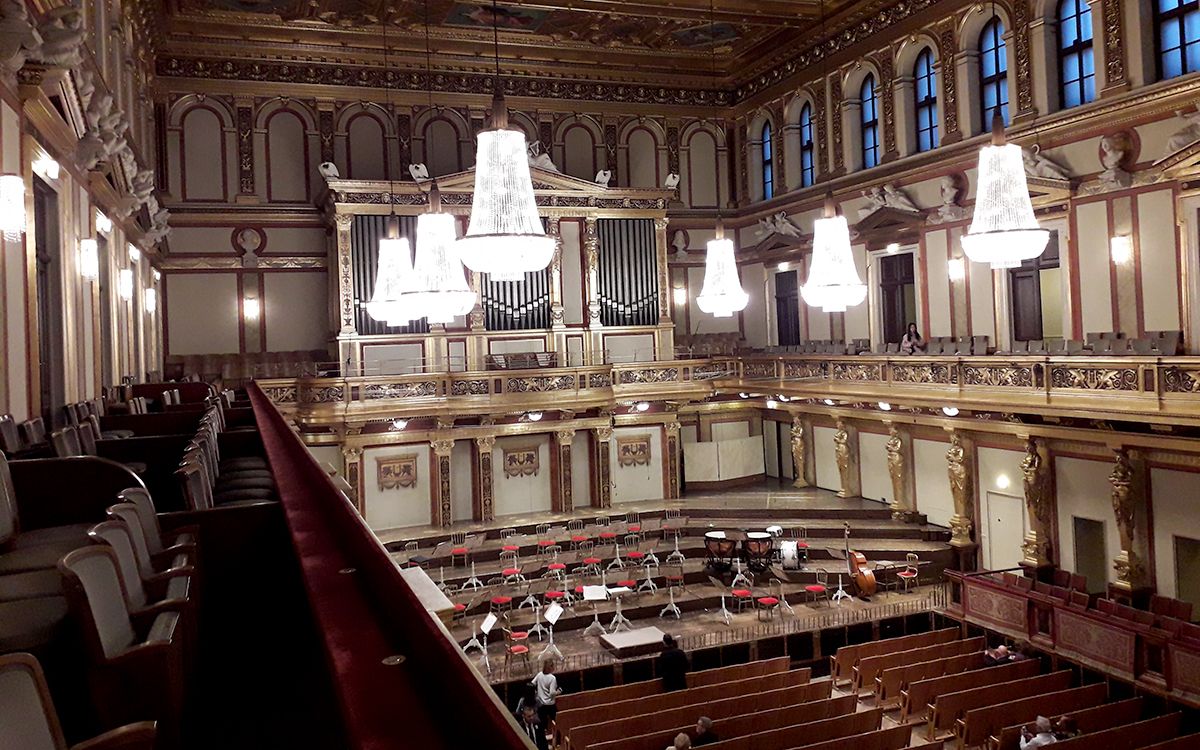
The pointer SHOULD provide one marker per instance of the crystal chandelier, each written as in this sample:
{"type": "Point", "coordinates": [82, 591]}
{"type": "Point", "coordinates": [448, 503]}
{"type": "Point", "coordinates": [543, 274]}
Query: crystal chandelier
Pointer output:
{"type": "Point", "coordinates": [722, 294]}
{"type": "Point", "coordinates": [439, 288]}
{"type": "Point", "coordinates": [505, 238]}
{"type": "Point", "coordinates": [833, 282]}
{"type": "Point", "coordinates": [389, 304]}
{"type": "Point", "coordinates": [1004, 231]}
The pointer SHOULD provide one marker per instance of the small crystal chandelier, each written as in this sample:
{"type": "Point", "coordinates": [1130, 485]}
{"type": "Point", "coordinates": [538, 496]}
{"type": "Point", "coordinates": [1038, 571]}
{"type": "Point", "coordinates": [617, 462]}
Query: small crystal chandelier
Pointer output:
{"type": "Point", "coordinates": [439, 288]}
{"type": "Point", "coordinates": [389, 304]}
{"type": "Point", "coordinates": [505, 238]}
{"type": "Point", "coordinates": [1004, 231]}
{"type": "Point", "coordinates": [722, 294]}
{"type": "Point", "coordinates": [833, 281]}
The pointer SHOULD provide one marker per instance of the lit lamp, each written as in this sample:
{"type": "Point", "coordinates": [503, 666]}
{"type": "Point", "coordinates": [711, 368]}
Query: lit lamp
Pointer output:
{"type": "Point", "coordinates": [251, 308]}
{"type": "Point", "coordinates": [46, 166]}
{"type": "Point", "coordinates": [12, 206]}
{"type": "Point", "coordinates": [150, 300]}
{"type": "Point", "coordinates": [103, 223]}
{"type": "Point", "coordinates": [89, 258]}
{"type": "Point", "coordinates": [1121, 249]}
{"type": "Point", "coordinates": [722, 294]}
{"type": "Point", "coordinates": [679, 293]}
{"type": "Point", "coordinates": [439, 288]}
{"type": "Point", "coordinates": [1004, 231]}
{"type": "Point", "coordinates": [833, 281]}
{"type": "Point", "coordinates": [125, 284]}
{"type": "Point", "coordinates": [135, 255]}
{"type": "Point", "coordinates": [956, 269]}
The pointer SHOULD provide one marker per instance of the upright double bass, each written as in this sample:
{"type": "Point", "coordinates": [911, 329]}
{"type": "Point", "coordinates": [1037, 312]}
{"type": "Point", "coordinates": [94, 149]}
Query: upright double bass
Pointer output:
{"type": "Point", "coordinates": [863, 577]}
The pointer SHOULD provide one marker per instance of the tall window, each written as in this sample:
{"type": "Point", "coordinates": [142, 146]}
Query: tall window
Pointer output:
{"type": "Point", "coordinates": [993, 72]}
{"type": "Point", "coordinates": [925, 89]}
{"type": "Point", "coordinates": [768, 169]}
{"type": "Point", "coordinates": [808, 171]}
{"type": "Point", "coordinates": [1178, 24]}
{"type": "Point", "coordinates": [787, 307]}
{"type": "Point", "coordinates": [870, 123]}
{"type": "Point", "coordinates": [1076, 70]}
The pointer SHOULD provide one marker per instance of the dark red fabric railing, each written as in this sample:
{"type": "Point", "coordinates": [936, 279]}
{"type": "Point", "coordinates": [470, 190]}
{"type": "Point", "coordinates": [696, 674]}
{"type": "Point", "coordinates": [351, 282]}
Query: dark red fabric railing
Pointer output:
{"type": "Point", "coordinates": [434, 699]}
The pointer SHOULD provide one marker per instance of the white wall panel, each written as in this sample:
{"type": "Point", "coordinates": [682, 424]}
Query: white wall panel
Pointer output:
{"type": "Point", "coordinates": [1083, 490]}
{"type": "Point", "coordinates": [202, 313]}
{"type": "Point", "coordinates": [730, 430]}
{"type": "Point", "coordinates": [1091, 222]}
{"type": "Point", "coordinates": [522, 494]}
{"type": "Point", "coordinates": [938, 291]}
{"type": "Point", "coordinates": [872, 466]}
{"type": "Point", "coordinates": [572, 271]}
{"type": "Point", "coordinates": [1175, 504]}
{"type": "Point", "coordinates": [933, 482]}
{"type": "Point", "coordinates": [461, 487]}
{"type": "Point", "coordinates": [770, 438]}
{"type": "Point", "coordinates": [295, 312]}
{"type": "Point", "coordinates": [754, 317]}
{"type": "Point", "coordinates": [824, 459]}
{"type": "Point", "coordinates": [402, 506]}
{"type": "Point", "coordinates": [700, 462]}
{"type": "Point", "coordinates": [631, 483]}
{"type": "Point", "coordinates": [1157, 237]}
{"type": "Point", "coordinates": [393, 359]}
{"type": "Point", "coordinates": [581, 463]}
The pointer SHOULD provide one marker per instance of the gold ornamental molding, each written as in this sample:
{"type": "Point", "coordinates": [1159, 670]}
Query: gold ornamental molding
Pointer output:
{"type": "Point", "coordinates": [236, 263]}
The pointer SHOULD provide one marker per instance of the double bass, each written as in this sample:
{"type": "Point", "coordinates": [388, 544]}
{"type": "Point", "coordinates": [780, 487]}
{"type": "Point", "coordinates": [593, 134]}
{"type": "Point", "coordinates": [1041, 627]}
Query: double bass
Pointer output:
{"type": "Point", "coordinates": [862, 576]}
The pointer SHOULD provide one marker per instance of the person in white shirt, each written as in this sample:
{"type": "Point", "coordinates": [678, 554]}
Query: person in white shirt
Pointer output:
{"type": "Point", "coordinates": [546, 685]}
{"type": "Point", "coordinates": [1044, 736]}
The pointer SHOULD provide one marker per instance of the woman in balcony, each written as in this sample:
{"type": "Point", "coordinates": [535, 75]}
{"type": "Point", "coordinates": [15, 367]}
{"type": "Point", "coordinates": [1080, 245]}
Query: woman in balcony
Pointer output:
{"type": "Point", "coordinates": [911, 342]}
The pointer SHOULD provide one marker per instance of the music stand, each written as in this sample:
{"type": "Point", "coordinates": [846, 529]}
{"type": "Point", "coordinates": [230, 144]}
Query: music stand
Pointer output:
{"type": "Point", "coordinates": [741, 576]}
{"type": "Point", "coordinates": [595, 594]}
{"type": "Point", "coordinates": [725, 615]}
{"type": "Point", "coordinates": [442, 587]}
{"type": "Point", "coordinates": [617, 562]}
{"type": "Point", "coordinates": [553, 612]}
{"type": "Point", "coordinates": [840, 594]}
{"type": "Point", "coordinates": [488, 623]}
{"type": "Point", "coordinates": [670, 608]}
{"type": "Point", "coordinates": [676, 557]}
{"type": "Point", "coordinates": [473, 582]}
{"type": "Point", "coordinates": [537, 621]}
{"type": "Point", "coordinates": [619, 620]}
{"type": "Point", "coordinates": [474, 642]}
{"type": "Point", "coordinates": [649, 584]}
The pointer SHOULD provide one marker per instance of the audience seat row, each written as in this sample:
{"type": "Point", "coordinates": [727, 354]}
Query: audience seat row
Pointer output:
{"type": "Point", "coordinates": [208, 481]}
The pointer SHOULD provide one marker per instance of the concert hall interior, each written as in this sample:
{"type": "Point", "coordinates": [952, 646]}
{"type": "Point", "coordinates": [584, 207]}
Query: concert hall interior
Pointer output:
{"type": "Point", "coordinates": [772, 374]}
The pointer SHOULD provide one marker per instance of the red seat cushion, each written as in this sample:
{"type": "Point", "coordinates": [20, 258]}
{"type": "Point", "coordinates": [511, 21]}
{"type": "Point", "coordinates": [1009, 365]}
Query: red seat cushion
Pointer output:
{"type": "Point", "coordinates": [579, 538]}
{"type": "Point", "coordinates": [556, 566]}
{"type": "Point", "coordinates": [460, 607]}
{"type": "Point", "coordinates": [520, 635]}
{"type": "Point", "coordinates": [768, 601]}
{"type": "Point", "coordinates": [591, 561]}
{"type": "Point", "coordinates": [459, 551]}
{"type": "Point", "coordinates": [511, 571]}
{"type": "Point", "coordinates": [635, 555]}
{"type": "Point", "coordinates": [518, 650]}
{"type": "Point", "coordinates": [511, 548]}
{"type": "Point", "coordinates": [741, 593]}
{"type": "Point", "coordinates": [907, 574]}
{"type": "Point", "coordinates": [579, 590]}
{"type": "Point", "coordinates": [627, 584]}
{"type": "Point", "coordinates": [501, 600]}
{"type": "Point", "coordinates": [815, 588]}
{"type": "Point", "coordinates": [546, 543]}
{"type": "Point", "coordinates": [634, 527]}
{"type": "Point", "coordinates": [555, 595]}
{"type": "Point", "coordinates": [608, 535]}
{"type": "Point", "coordinates": [802, 545]}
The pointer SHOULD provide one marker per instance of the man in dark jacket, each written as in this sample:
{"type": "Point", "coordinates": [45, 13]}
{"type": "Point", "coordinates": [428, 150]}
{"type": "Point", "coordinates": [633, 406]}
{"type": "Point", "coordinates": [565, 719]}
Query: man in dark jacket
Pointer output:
{"type": "Point", "coordinates": [532, 727]}
{"type": "Point", "coordinates": [673, 666]}
{"type": "Point", "coordinates": [704, 734]}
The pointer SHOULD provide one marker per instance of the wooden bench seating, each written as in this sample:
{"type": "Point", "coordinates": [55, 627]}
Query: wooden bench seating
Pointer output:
{"type": "Point", "coordinates": [947, 708]}
{"type": "Point", "coordinates": [883, 739]}
{"type": "Point", "coordinates": [920, 694]}
{"type": "Point", "coordinates": [978, 724]}
{"type": "Point", "coordinates": [1095, 719]}
{"type": "Point", "coordinates": [1127, 737]}
{"type": "Point", "coordinates": [1187, 742]}
{"type": "Point", "coordinates": [796, 678]}
{"type": "Point", "coordinates": [798, 735]}
{"type": "Point", "coordinates": [891, 681]}
{"type": "Point", "coordinates": [649, 735]}
{"type": "Point", "coordinates": [654, 687]}
{"type": "Point", "coordinates": [841, 664]}
{"type": "Point", "coordinates": [869, 667]}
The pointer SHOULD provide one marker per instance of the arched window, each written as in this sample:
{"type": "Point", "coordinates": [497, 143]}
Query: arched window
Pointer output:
{"type": "Point", "coordinates": [993, 72]}
{"type": "Point", "coordinates": [870, 123]}
{"type": "Point", "coordinates": [1076, 70]}
{"type": "Point", "coordinates": [768, 171]}
{"type": "Point", "coordinates": [1178, 24]}
{"type": "Point", "coordinates": [925, 90]}
{"type": "Point", "coordinates": [808, 170]}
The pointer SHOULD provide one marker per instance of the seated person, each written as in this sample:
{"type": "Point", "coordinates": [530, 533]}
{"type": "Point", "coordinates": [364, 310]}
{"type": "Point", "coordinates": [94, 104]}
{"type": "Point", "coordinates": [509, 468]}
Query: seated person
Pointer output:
{"type": "Point", "coordinates": [704, 734]}
{"type": "Point", "coordinates": [1066, 728]}
{"type": "Point", "coordinates": [911, 342]}
{"type": "Point", "coordinates": [682, 742]}
{"type": "Point", "coordinates": [1040, 736]}
{"type": "Point", "coordinates": [996, 656]}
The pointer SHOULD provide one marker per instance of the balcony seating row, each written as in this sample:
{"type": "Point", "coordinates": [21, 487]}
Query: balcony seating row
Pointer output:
{"type": "Point", "coordinates": [708, 344]}
{"type": "Point", "coordinates": [825, 346]}
{"type": "Point", "coordinates": [522, 360]}
{"type": "Point", "coordinates": [208, 481]}
{"type": "Point", "coordinates": [234, 369]}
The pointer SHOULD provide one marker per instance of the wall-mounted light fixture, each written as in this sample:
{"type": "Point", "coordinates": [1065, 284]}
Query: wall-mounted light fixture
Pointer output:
{"type": "Point", "coordinates": [772, 404]}
{"type": "Point", "coordinates": [46, 166]}
{"type": "Point", "coordinates": [251, 308]}
{"type": "Point", "coordinates": [157, 276]}
{"type": "Point", "coordinates": [534, 416]}
{"type": "Point", "coordinates": [125, 284]}
{"type": "Point", "coordinates": [680, 296]}
{"type": "Point", "coordinates": [885, 406]}
{"type": "Point", "coordinates": [892, 248]}
{"type": "Point", "coordinates": [135, 254]}
{"type": "Point", "coordinates": [642, 406]}
{"type": "Point", "coordinates": [1002, 481]}
{"type": "Point", "coordinates": [1120, 247]}
{"type": "Point", "coordinates": [12, 206]}
{"type": "Point", "coordinates": [103, 223]}
{"type": "Point", "coordinates": [784, 265]}
{"type": "Point", "coordinates": [399, 424]}
{"type": "Point", "coordinates": [89, 258]}
{"type": "Point", "coordinates": [956, 269]}
{"type": "Point", "coordinates": [950, 411]}
{"type": "Point", "coordinates": [150, 299]}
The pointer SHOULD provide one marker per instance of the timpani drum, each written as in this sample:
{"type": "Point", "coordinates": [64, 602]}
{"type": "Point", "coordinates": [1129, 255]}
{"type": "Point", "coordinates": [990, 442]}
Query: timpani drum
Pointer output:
{"type": "Point", "coordinates": [789, 554]}
{"type": "Point", "coordinates": [757, 548]}
{"type": "Point", "coordinates": [721, 549]}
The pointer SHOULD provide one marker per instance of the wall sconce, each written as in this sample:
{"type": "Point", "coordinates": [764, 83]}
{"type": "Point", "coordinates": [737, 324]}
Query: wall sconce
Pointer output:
{"type": "Point", "coordinates": [89, 258]}
{"type": "Point", "coordinates": [885, 406]}
{"type": "Point", "coordinates": [680, 295]}
{"type": "Point", "coordinates": [157, 276]}
{"type": "Point", "coordinates": [46, 167]}
{"type": "Point", "coordinates": [534, 416]}
{"type": "Point", "coordinates": [150, 299]}
{"type": "Point", "coordinates": [956, 269]}
{"type": "Point", "coordinates": [784, 265]}
{"type": "Point", "coordinates": [950, 411]}
{"type": "Point", "coordinates": [125, 284]}
{"type": "Point", "coordinates": [1121, 249]}
{"type": "Point", "coordinates": [251, 308]}
{"type": "Point", "coordinates": [12, 206]}
{"type": "Point", "coordinates": [135, 255]}
{"type": "Point", "coordinates": [103, 223]}
{"type": "Point", "coordinates": [399, 424]}
{"type": "Point", "coordinates": [1002, 481]}
{"type": "Point", "coordinates": [892, 248]}
{"type": "Point", "coordinates": [642, 406]}
{"type": "Point", "coordinates": [772, 403]}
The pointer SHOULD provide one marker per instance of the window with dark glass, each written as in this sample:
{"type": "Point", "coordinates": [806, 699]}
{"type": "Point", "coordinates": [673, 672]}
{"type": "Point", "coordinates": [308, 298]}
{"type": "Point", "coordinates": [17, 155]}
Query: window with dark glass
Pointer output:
{"type": "Point", "coordinates": [787, 307]}
{"type": "Point", "coordinates": [768, 168]}
{"type": "Point", "coordinates": [1076, 69]}
{"type": "Point", "coordinates": [808, 172]}
{"type": "Point", "coordinates": [870, 123]}
{"type": "Point", "coordinates": [993, 73]}
{"type": "Point", "coordinates": [1177, 24]}
{"type": "Point", "coordinates": [925, 90]}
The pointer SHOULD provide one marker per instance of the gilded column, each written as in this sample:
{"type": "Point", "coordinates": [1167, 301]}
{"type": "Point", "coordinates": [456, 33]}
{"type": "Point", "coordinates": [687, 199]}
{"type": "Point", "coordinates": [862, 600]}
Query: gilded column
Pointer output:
{"type": "Point", "coordinates": [352, 471]}
{"type": "Point", "coordinates": [591, 249]}
{"type": "Point", "coordinates": [799, 452]}
{"type": "Point", "coordinates": [556, 288]}
{"type": "Point", "coordinates": [482, 506]}
{"type": "Point", "coordinates": [899, 469]}
{"type": "Point", "coordinates": [836, 105]}
{"type": "Point", "coordinates": [1038, 505]}
{"type": "Point", "coordinates": [440, 495]}
{"type": "Point", "coordinates": [345, 278]}
{"type": "Point", "coordinates": [664, 278]}
{"type": "Point", "coordinates": [561, 499]}
{"type": "Point", "coordinates": [947, 74]}
{"type": "Point", "coordinates": [1128, 479]}
{"type": "Point", "coordinates": [845, 449]}
{"type": "Point", "coordinates": [672, 430]}
{"type": "Point", "coordinates": [601, 467]}
{"type": "Point", "coordinates": [961, 469]}
{"type": "Point", "coordinates": [1116, 78]}
{"type": "Point", "coordinates": [1024, 59]}
{"type": "Point", "coordinates": [245, 151]}
{"type": "Point", "coordinates": [887, 85]}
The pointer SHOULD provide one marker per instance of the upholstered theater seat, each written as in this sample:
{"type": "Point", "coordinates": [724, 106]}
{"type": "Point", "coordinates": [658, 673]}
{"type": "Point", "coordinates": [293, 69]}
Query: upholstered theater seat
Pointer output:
{"type": "Point", "coordinates": [29, 624]}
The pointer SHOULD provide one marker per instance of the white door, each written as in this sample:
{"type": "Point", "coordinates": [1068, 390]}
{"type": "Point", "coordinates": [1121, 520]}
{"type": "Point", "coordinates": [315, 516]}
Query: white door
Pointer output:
{"type": "Point", "coordinates": [1004, 531]}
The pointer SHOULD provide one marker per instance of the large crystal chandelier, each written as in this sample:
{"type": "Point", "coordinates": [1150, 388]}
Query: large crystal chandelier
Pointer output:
{"type": "Point", "coordinates": [505, 238]}
{"type": "Point", "coordinates": [389, 304]}
{"type": "Point", "coordinates": [1004, 231]}
{"type": "Point", "coordinates": [439, 288]}
{"type": "Point", "coordinates": [833, 281]}
{"type": "Point", "coordinates": [722, 294]}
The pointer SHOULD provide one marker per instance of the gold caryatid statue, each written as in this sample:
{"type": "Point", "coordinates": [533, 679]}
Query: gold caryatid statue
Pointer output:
{"type": "Point", "coordinates": [798, 453]}
{"type": "Point", "coordinates": [962, 490]}
{"type": "Point", "coordinates": [898, 469]}
{"type": "Point", "coordinates": [842, 453]}
{"type": "Point", "coordinates": [1036, 547]}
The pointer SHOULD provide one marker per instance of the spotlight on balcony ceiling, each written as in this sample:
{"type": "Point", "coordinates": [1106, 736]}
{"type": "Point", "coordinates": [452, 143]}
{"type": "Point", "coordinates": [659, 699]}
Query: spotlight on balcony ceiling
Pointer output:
{"type": "Point", "coordinates": [781, 397]}
{"type": "Point", "coordinates": [950, 411]}
{"type": "Point", "coordinates": [642, 406]}
{"type": "Point", "coordinates": [743, 394]}
{"type": "Point", "coordinates": [399, 424]}
{"type": "Point", "coordinates": [772, 404]}
{"type": "Point", "coordinates": [885, 406]}
{"type": "Point", "coordinates": [892, 248]}
{"type": "Point", "coordinates": [828, 402]}
{"type": "Point", "coordinates": [533, 416]}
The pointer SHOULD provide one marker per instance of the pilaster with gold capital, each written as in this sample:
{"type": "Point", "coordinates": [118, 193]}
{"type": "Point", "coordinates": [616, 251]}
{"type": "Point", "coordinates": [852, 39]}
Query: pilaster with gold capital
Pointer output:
{"type": "Point", "coordinates": [483, 503]}
{"type": "Point", "coordinates": [591, 252]}
{"type": "Point", "coordinates": [845, 450]}
{"type": "Point", "coordinates": [960, 466]}
{"type": "Point", "coordinates": [561, 494]}
{"type": "Point", "coordinates": [672, 430]}
{"type": "Point", "coordinates": [557, 315]}
{"type": "Point", "coordinates": [1128, 480]}
{"type": "Point", "coordinates": [352, 471]}
{"type": "Point", "coordinates": [601, 463]}
{"type": "Point", "coordinates": [440, 496]}
{"type": "Point", "coordinates": [664, 278]}
{"type": "Point", "coordinates": [345, 274]}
